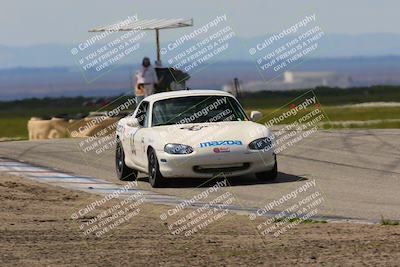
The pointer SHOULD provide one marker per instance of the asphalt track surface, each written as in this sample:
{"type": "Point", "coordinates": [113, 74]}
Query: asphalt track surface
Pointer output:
{"type": "Point", "coordinates": [357, 172]}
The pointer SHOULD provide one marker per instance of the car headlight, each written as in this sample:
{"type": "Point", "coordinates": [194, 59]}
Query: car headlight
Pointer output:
{"type": "Point", "coordinates": [264, 143]}
{"type": "Point", "coordinates": [178, 149]}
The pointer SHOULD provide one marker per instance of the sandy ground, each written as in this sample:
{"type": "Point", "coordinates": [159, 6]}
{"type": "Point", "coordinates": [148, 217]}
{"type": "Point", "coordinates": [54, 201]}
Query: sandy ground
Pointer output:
{"type": "Point", "coordinates": [36, 230]}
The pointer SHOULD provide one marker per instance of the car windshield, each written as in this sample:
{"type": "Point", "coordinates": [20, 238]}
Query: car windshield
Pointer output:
{"type": "Point", "coordinates": [196, 109]}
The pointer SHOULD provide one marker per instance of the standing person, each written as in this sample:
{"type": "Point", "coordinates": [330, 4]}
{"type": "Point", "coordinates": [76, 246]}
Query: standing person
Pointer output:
{"type": "Point", "coordinates": [146, 78]}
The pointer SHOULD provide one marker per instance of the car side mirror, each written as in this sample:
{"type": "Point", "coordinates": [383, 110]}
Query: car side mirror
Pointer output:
{"type": "Point", "coordinates": [255, 115]}
{"type": "Point", "coordinates": [132, 122]}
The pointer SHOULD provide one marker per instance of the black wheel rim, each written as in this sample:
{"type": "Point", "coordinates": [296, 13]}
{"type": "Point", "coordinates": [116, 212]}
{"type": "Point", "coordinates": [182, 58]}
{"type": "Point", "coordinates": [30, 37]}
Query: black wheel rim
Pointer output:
{"type": "Point", "coordinates": [119, 159]}
{"type": "Point", "coordinates": [152, 168]}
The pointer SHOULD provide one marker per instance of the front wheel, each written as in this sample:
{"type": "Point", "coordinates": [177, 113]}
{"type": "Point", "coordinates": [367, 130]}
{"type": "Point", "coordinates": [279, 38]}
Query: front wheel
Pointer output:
{"type": "Point", "coordinates": [269, 175]}
{"type": "Point", "coordinates": [124, 173]}
{"type": "Point", "coordinates": [155, 177]}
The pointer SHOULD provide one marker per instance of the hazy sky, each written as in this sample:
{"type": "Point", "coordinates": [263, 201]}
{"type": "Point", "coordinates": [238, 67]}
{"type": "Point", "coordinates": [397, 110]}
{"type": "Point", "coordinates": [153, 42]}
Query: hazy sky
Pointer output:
{"type": "Point", "coordinates": [25, 22]}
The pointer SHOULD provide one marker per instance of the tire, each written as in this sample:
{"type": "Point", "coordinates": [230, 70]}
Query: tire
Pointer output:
{"type": "Point", "coordinates": [124, 173]}
{"type": "Point", "coordinates": [269, 175]}
{"type": "Point", "coordinates": [156, 179]}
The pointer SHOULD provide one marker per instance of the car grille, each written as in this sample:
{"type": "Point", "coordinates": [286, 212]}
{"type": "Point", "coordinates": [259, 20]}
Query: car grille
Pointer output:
{"type": "Point", "coordinates": [221, 168]}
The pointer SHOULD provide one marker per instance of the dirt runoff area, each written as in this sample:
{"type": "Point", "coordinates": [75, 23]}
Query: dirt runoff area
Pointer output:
{"type": "Point", "coordinates": [37, 230]}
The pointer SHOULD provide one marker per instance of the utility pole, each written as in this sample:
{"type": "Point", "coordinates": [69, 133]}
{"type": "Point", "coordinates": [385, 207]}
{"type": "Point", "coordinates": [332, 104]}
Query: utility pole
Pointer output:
{"type": "Point", "coordinates": [236, 87]}
{"type": "Point", "coordinates": [158, 47]}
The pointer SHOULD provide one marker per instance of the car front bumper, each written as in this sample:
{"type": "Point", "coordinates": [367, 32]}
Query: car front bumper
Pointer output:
{"type": "Point", "coordinates": [209, 164]}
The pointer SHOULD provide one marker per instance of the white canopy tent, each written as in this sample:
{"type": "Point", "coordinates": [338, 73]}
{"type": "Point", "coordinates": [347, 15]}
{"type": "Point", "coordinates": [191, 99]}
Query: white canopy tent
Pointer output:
{"type": "Point", "coordinates": [151, 24]}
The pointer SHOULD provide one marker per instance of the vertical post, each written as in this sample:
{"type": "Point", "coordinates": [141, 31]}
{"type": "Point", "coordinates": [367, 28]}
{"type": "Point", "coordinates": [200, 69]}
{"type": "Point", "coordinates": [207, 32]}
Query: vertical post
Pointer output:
{"type": "Point", "coordinates": [158, 47]}
{"type": "Point", "coordinates": [236, 86]}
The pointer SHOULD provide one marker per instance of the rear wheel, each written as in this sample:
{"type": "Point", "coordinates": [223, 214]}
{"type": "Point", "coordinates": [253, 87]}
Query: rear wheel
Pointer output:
{"type": "Point", "coordinates": [269, 175]}
{"type": "Point", "coordinates": [155, 177]}
{"type": "Point", "coordinates": [124, 173]}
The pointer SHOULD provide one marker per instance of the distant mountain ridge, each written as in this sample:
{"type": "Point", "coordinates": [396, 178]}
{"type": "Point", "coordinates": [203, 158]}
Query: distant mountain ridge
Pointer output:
{"type": "Point", "coordinates": [331, 46]}
{"type": "Point", "coordinates": [25, 82]}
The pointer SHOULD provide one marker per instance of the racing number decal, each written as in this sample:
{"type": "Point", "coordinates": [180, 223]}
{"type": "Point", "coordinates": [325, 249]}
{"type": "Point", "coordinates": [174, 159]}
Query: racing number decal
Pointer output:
{"type": "Point", "coordinates": [132, 142]}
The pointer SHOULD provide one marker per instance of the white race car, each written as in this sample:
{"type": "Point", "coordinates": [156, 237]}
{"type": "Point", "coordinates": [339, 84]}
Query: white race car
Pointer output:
{"type": "Point", "coordinates": [194, 133]}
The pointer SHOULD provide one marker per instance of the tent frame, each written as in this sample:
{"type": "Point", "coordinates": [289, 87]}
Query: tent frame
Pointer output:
{"type": "Point", "coordinates": [152, 24]}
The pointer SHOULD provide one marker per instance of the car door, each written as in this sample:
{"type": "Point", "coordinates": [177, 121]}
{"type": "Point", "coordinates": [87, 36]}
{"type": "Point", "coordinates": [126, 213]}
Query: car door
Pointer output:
{"type": "Point", "coordinates": [130, 133]}
{"type": "Point", "coordinates": [138, 146]}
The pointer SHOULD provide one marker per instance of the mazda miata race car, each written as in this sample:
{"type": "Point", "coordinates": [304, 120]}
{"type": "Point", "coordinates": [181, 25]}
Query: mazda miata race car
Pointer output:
{"type": "Point", "coordinates": [194, 133]}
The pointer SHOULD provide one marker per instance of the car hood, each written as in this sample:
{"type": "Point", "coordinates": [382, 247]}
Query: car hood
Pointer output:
{"type": "Point", "coordinates": [196, 133]}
